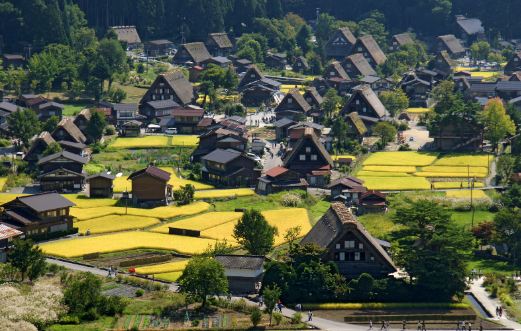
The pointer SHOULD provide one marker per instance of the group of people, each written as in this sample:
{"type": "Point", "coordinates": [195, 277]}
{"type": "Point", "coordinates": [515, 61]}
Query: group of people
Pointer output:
{"type": "Point", "coordinates": [421, 326]}
{"type": "Point", "coordinates": [467, 326]}
{"type": "Point", "coordinates": [112, 272]}
{"type": "Point", "coordinates": [499, 311]}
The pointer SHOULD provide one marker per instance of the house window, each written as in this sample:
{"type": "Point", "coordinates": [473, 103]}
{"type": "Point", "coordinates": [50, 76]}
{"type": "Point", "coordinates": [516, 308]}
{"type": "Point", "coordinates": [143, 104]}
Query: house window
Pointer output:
{"type": "Point", "coordinates": [313, 157]}
{"type": "Point", "coordinates": [342, 256]}
{"type": "Point", "coordinates": [360, 246]}
{"type": "Point", "coordinates": [359, 49]}
{"type": "Point", "coordinates": [252, 75]}
{"type": "Point", "coordinates": [332, 73]}
{"type": "Point", "coordinates": [337, 246]}
{"type": "Point", "coordinates": [290, 100]}
{"type": "Point", "coordinates": [357, 256]}
{"type": "Point", "coordinates": [348, 65]}
{"type": "Point", "coordinates": [357, 102]}
{"type": "Point", "coordinates": [364, 109]}
{"type": "Point", "coordinates": [302, 157]}
{"type": "Point", "coordinates": [349, 244]}
{"type": "Point", "coordinates": [308, 149]}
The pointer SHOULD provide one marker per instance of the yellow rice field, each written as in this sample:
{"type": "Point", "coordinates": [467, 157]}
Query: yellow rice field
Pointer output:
{"type": "Point", "coordinates": [464, 184]}
{"type": "Point", "coordinates": [450, 174]}
{"type": "Point", "coordinates": [228, 193]}
{"type": "Point", "coordinates": [461, 169]}
{"type": "Point", "coordinates": [83, 201]}
{"type": "Point", "coordinates": [169, 276]}
{"type": "Point", "coordinates": [465, 194]}
{"type": "Point", "coordinates": [162, 268]}
{"type": "Point", "coordinates": [344, 156]}
{"type": "Point", "coordinates": [3, 180]}
{"type": "Point", "coordinates": [418, 110]}
{"type": "Point", "coordinates": [406, 169]}
{"type": "Point", "coordinates": [6, 197]}
{"type": "Point", "coordinates": [159, 212]}
{"type": "Point", "coordinates": [364, 173]}
{"type": "Point", "coordinates": [122, 184]}
{"type": "Point", "coordinates": [177, 182]}
{"type": "Point", "coordinates": [417, 159]}
{"type": "Point", "coordinates": [123, 241]}
{"type": "Point", "coordinates": [396, 183]}
{"type": "Point", "coordinates": [478, 160]}
{"type": "Point", "coordinates": [200, 222]}
{"type": "Point", "coordinates": [115, 223]}
{"type": "Point", "coordinates": [158, 141]}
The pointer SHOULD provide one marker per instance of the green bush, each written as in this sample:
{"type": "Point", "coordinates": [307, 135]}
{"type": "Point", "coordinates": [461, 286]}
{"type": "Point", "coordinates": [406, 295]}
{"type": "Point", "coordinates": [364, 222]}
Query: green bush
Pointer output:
{"type": "Point", "coordinates": [255, 316]}
{"type": "Point", "coordinates": [277, 317]}
{"type": "Point", "coordinates": [139, 293]}
{"type": "Point", "coordinates": [296, 318]}
{"type": "Point", "coordinates": [506, 299]}
{"type": "Point", "coordinates": [5, 142]}
{"type": "Point", "coordinates": [69, 320]}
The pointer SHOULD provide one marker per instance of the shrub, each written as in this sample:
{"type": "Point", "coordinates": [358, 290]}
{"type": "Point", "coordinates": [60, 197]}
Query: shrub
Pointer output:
{"type": "Point", "coordinates": [139, 293]}
{"type": "Point", "coordinates": [110, 130]}
{"type": "Point", "coordinates": [277, 317]}
{"type": "Point", "coordinates": [5, 142]}
{"type": "Point", "coordinates": [296, 318]}
{"type": "Point", "coordinates": [290, 200]}
{"type": "Point", "coordinates": [255, 317]}
{"type": "Point", "coordinates": [68, 319]}
{"type": "Point", "coordinates": [506, 299]}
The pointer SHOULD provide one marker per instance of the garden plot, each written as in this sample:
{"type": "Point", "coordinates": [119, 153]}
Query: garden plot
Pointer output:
{"type": "Point", "coordinates": [115, 223]}
{"type": "Point", "coordinates": [228, 193]}
{"type": "Point", "coordinates": [162, 268]}
{"type": "Point", "coordinates": [465, 194]}
{"type": "Point", "coordinates": [124, 241]}
{"type": "Point", "coordinates": [200, 222]}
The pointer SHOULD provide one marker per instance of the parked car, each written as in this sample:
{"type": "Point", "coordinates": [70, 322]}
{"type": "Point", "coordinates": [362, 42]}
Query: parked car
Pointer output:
{"type": "Point", "coordinates": [171, 131]}
{"type": "Point", "coordinates": [255, 157]}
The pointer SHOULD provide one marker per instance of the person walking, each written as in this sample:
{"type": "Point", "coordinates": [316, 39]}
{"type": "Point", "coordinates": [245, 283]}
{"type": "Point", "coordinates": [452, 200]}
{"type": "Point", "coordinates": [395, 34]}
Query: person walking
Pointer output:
{"type": "Point", "coordinates": [383, 325]}
{"type": "Point", "coordinates": [310, 316]}
{"type": "Point", "coordinates": [424, 328]}
{"type": "Point", "coordinates": [469, 326]}
{"type": "Point", "coordinates": [261, 301]}
{"type": "Point", "coordinates": [481, 325]}
{"type": "Point", "coordinates": [404, 325]}
{"type": "Point", "coordinates": [419, 326]}
{"type": "Point", "coordinates": [370, 324]}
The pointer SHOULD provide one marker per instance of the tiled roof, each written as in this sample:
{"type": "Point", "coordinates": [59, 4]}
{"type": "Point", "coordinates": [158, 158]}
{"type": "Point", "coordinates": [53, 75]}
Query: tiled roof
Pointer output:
{"type": "Point", "coordinates": [7, 232]}
{"type": "Point", "coordinates": [246, 262]}
{"type": "Point", "coordinates": [45, 201]}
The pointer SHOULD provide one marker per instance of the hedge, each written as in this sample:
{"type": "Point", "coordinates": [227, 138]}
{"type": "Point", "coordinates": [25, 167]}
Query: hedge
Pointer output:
{"type": "Point", "coordinates": [384, 305]}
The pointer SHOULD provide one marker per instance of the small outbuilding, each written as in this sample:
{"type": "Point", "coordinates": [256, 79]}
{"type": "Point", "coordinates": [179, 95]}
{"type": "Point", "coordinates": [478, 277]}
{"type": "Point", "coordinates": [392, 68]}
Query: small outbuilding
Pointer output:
{"type": "Point", "coordinates": [244, 272]}
{"type": "Point", "coordinates": [101, 185]}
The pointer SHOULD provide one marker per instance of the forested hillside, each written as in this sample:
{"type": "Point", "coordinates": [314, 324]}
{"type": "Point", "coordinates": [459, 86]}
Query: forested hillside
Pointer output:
{"type": "Point", "coordinates": [40, 22]}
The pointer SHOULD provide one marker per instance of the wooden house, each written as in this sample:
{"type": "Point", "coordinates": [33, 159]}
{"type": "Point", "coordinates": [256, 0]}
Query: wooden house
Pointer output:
{"type": "Point", "coordinates": [377, 84]}
{"type": "Point", "coordinates": [220, 61]}
{"type": "Point", "coordinates": [241, 65]}
{"type": "Point", "coordinates": [513, 64]}
{"type": "Point", "coordinates": [515, 76]}
{"type": "Point", "coordinates": [367, 104]}
{"type": "Point", "coordinates": [244, 272]}
{"type": "Point", "coordinates": [6, 109]}
{"type": "Point", "coordinates": [38, 146]}
{"type": "Point", "coordinates": [336, 77]}
{"type": "Point", "coordinates": [470, 29]}
{"type": "Point", "coordinates": [130, 128]}
{"type": "Point", "coordinates": [348, 189]}
{"type": "Point", "coordinates": [7, 235]}
{"type": "Point", "coordinates": [400, 40]}
{"type": "Point", "coordinates": [229, 167]}
{"type": "Point", "coordinates": [280, 179]}
{"type": "Point", "coordinates": [314, 99]}
{"type": "Point", "coordinates": [49, 109]}
{"type": "Point", "coordinates": [310, 159]}
{"type": "Point", "coordinates": [507, 90]}
{"type": "Point", "coordinates": [298, 130]}
{"type": "Point", "coordinates": [450, 44]}
{"type": "Point", "coordinates": [192, 53]}
{"type": "Point", "coordinates": [276, 60]}
{"type": "Point", "coordinates": [150, 186]}
{"type": "Point", "coordinates": [101, 185]}
{"type": "Point", "coordinates": [300, 64]}
{"type": "Point", "coordinates": [62, 171]}
{"type": "Point", "coordinates": [372, 202]}
{"type": "Point", "coordinates": [82, 120]}
{"type": "Point", "coordinates": [356, 65]}
{"type": "Point", "coordinates": [370, 50]}
{"type": "Point", "coordinates": [72, 147]}
{"type": "Point", "coordinates": [356, 126]}
{"type": "Point", "coordinates": [128, 36]}
{"type": "Point", "coordinates": [219, 44]}
{"type": "Point", "coordinates": [31, 101]}
{"type": "Point", "coordinates": [185, 120]}
{"type": "Point", "coordinates": [124, 112]}
{"type": "Point", "coordinates": [340, 44]}
{"type": "Point", "coordinates": [442, 64]}
{"type": "Point", "coordinates": [13, 60]}
{"type": "Point", "coordinates": [417, 90]}
{"type": "Point", "coordinates": [281, 128]}
{"type": "Point", "coordinates": [218, 137]}
{"type": "Point", "coordinates": [159, 109]}
{"type": "Point", "coordinates": [39, 215]}
{"type": "Point", "coordinates": [170, 86]}
{"type": "Point", "coordinates": [349, 245]}
{"type": "Point", "coordinates": [456, 134]}
{"type": "Point", "coordinates": [158, 47]}
{"type": "Point", "coordinates": [292, 106]}
{"type": "Point", "coordinates": [256, 89]}
{"type": "Point", "coordinates": [67, 130]}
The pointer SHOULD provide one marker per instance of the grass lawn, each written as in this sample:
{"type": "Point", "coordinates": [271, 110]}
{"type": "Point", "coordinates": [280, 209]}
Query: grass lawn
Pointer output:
{"type": "Point", "coordinates": [491, 266]}
{"type": "Point", "coordinates": [74, 109]}
{"type": "Point", "coordinates": [318, 210]}
{"type": "Point", "coordinates": [103, 323]}
{"type": "Point", "coordinates": [464, 218]}
{"type": "Point", "coordinates": [134, 94]}
{"type": "Point", "coordinates": [379, 225]}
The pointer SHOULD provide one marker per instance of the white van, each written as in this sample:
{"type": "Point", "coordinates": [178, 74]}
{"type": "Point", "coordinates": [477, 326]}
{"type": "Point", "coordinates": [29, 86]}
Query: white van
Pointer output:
{"type": "Point", "coordinates": [171, 131]}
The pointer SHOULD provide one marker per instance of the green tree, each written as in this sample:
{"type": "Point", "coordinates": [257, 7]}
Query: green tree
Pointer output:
{"type": "Point", "coordinates": [271, 295]}
{"type": "Point", "coordinates": [505, 167]}
{"type": "Point", "coordinates": [507, 224]}
{"type": "Point", "coordinates": [386, 131]}
{"type": "Point", "coordinates": [27, 258]}
{"type": "Point", "coordinates": [332, 102]}
{"type": "Point", "coordinates": [433, 250]}
{"type": "Point", "coordinates": [53, 148]}
{"type": "Point", "coordinates": [255, 316]}
{"type": "Point", "coordinates": [374, 26]}
{"type": "Point", "coordinates": [203, 276]}
{"type": "Point", "coordinates": [479, 50]}
{"type": "Point", "coordinates": [96, 126]}
{"type": "Point", "coordinates": [116, 95]}
{"type": "Point", "coordinates": [395, 101]}
{"type": "Point", "coordinates": [497, 122]}
{"type": "Point", "coordinates": [24, 124]}
{"type": "Point", "coordinates": [254, 233]}
{"type": "Point", "coordinates": [303, 38]}
{"type": "Point", "coordinates": [82, 294]}
{"type": "Point", "coordinates": [51, 124]}
{"type": "Point", "coordinates": [185, 194]}
{"type": "Point", "coordinates": [113, 55]}
{"type": "Point", "coordinates": [511, 198]}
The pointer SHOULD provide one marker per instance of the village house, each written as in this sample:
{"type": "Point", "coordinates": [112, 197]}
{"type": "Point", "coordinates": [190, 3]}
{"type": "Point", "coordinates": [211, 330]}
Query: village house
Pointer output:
{"type": "Point", "coordinates": [7, 235]}
{"type": "Point", "coordinates": [337, 78]}
{"type": "Point", "coordinates": [349, 245]}
{"type": "Point", "coordinates": [128, 35]}
{"type": "Point", "coordinates": [240, 65]}
{"type": "Point", "coordinates": [82, 120]}
{"type": "Point", "coordinates": [219, 137]}
{"type": "Point", "coordinates": [298, 130]}
{"type": "Point", "coordinates": [471, 29]}
{"type": "Point", "coordinates": [279, 179]}
{"type": "Point", "coordinates": [72, 147]}
{"type": "Point", "coordinates": [372, 202]}
{"type": "Point", "coordinates": [101, 185]}
{"type": "Point", "coordinates": [513, 64]}
{"type": "Point", "coordinates": [43, 215]}
{"type": "Point", "coordinates": [347, 189]}
{"type": "Point", "coordinates": [67, 130]}
{"type": "Point", "coordinates": [150, 186]}
{"type": "Point", "coordinates": [314, 99]}
{"type": "Point", "coordinates": [62, 171]}
{"type": "Point", "coordinates": [13, 61]}
{"type": "Point", "coordinates": [450, 44]}
{"type": "Point", "coordinates": [6, 109]}
{"type": "Point", "coordinates": [310, 159]}
{"type": "Point", "coordinates": [417, 89]}
{"type": "Point", "coordinates": [244, 272]}
{"type": "Point", "coordinates": [130, 128]}
{"type": "Point", "coordinates": [159, 47]}
{"type": "Point", "coordinates": [356, 126]}
{"type": "Point", "coordinates": [31, 101]}
{"type": "Point", "coordinates": [370, 50]}
{"type": "Point", "coordinates": [515, 76]}
{"type": "Point", "coordinates": [442, 64]}
{"type": "Point", "coordinates": [457, 134]}
{"type": "Point", "coordinates": [124, 112]}
{"type": "Point", "coordinates": [276, 60]}
{"type": "Point", "coordinates": [340, 44]}
{"type": "Point", "coordinates": [292, 106]}
{"type": "Point", "coordinates": [185, 120]}
{"type": "Point", "coordinates": [300, 64]}
{"type": "Point", "coordinates": [191, 53]}
{"type": "Point", "coordinates": [400, 40]}
{"type": "Point", "coordinates": [204, 124]}
{"type": "Point", "coordinates": [367, 104]}
{"type": "Point", "coordinates": [219, 44]}
{"type": "Point", "coordinates": [377, 84]}
{"type": "Point", "coordinates": [256, 89]}
{"type": "Point", "coordinates": [172, 88]}
{"type": "Point", "coordinates": [357, 66]}
{"type": "Point", "coordinates": [229, 167]}
{"type": "Point", "coordinates": [219, 61]}
{"type": "Point", "coordinates": [281, 128]}
{"type": "Point", "coordinates": [38, 146]}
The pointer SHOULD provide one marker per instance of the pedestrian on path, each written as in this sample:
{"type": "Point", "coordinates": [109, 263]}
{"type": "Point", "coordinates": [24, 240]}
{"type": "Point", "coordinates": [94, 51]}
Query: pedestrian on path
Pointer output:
{"type": "Point", "coordinates": [424, 328]}
{"type": "Point", "coordinates": [419, 326]}
{"type": "Point", "coordinates": [470, 326]}
{"type": "Point", "coordinates": [383, 325]}
{"type": "Point", "coordinates": [310, 316]}
{"type": "Point", "coordinates": [404, 325]}
{"type": "Point", "coordinates": [261, 299]}
{"type": "Point", "coordinates": [110, 272]}
{"type": "Point", "coordinates": [481, 325]}
{"type": "Point", "coordinates": [370, 324]}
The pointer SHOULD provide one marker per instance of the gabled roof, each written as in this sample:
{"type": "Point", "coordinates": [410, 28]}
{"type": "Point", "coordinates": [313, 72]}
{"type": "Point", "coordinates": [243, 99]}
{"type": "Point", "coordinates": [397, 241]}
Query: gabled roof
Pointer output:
{"type": "Point", "coordinates": [360, 63]}
{"type": "Point", "coordinates": [370, 97]}
{"type": "Point", "coordinates": [245, 262]}
{"type": "Point", "coordinates": [133, 107]}
{"type": "Point", "coordinates": [181, 86]}
{"type": "Point", "coordinates": [372, 47]}
{"type": "Point", "coordinates": [50, 104]}
{"type": "Point", "coordinates": [403, 39]}
{"type": "Point", "coordinates": [68, 125]}
{"type": "Point", "coordinates": [222, 155]}
{"type": "Point", "coordinates": [221, 39]}
{"type": "Point", "coordinates": [373, 193]}
{"type": "Point", "coordinates": [72, 144]}
{"type": "Point", "coordinates": [8, 107]}
{"type": "Point", "coordinates": [127, 34]}
{"type": "Point", "coordinates": [276, 171]}
{"type": "Point", "coordinates": [159, 42]}
{"type": "Point", "coordinates": [85, 113]}
{"type": "Point", "coordinates": [163, 104]}
{"type": "Point", "coordinates": [283, 122]}
{"type": "Point", "coordinates": [338, 69]}
{"type": "Point", "coordinates": [471, 26]}
{"type": "Point", "coordinates": [44, 201]}
{"type": "Point", "coordinates": [344, 33]}
{"type": "Point", "coordinates": [349, 182]}
{"type": "Point", "coordinates": [452, 43]}
{"type": "Point", "coordinates": [152, 171]}
{"type": "Point", "coordinates": [64, 154]}
{"type": "Point", "coordinates": [302, 60]}
{"type": "Point", "coordinates": [507, 85]}
{"type": "Point", "coordinates": [7, 232]}
{"type": "Point", "coordinates": [188, 112]}
{"type": "Point", "coordinates": [197, 51]}
{"type": "Point", "coordinates": [335, 223]}
{"type": "Point", "coordinates": [311, 92]}
{"type": "Point", "coordinates": [102, 175]}
{"type": "Point", "coordinates": [357, 123]}
{"type": "Point", "coordinates": [298, 99]}
{"type": "Point", "coordinates": [309, 134]}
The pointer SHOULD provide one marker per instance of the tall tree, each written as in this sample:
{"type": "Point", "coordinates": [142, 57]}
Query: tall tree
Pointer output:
{"type": "Point", "coordinates": [497, 122]}
{"type": "Point", "coordinates": [27, 258]}
{"type": "Point", "coordinates": [386, 131]}
{"type": "Point", "coordinates": [111, 52]}
{"type": "Point", "coordinates": [24, 124]}
{"type": "Point", "coordinates": [395, 101]}
{"type": "Point", "coordinates": [96, 126]}
{"type": "Point", "coordinates": [254, 233]}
